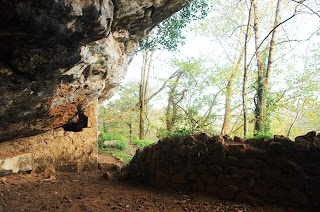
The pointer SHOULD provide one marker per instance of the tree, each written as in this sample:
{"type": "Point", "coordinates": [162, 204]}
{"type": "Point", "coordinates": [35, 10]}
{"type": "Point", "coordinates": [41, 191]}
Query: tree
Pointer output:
{"type": "Point", "coordinates": [190, 105]}
{"type": "Point", "coordinates": [127, 125]}
{"type": "Point", "coordinates": [171, 110]}
{"type": "Point", "coordinates": [234, 73]}
{"type": "Point", "coordinates": [167, 35]}
{"type": "Point", "coordinates": [225, 28]}
{"type": "Point", "coordinates": [264, 68]}
{"type": "Point", "coordinates": [245, 73]}
{"type": "Point", "coordinates": [145, 74]}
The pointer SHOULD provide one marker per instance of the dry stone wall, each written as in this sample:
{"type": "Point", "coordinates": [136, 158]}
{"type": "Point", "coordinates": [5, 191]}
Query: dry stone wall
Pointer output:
{"type": "Point", "coordinates": [265, 171]}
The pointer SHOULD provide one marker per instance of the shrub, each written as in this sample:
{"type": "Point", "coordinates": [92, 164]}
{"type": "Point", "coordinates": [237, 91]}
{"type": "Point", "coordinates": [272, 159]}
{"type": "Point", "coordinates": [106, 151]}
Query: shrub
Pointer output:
{"type": "Point", "coordinates": [260, 136]}
{"type": "Point", "coordinates": [122, 145]}
{"type": "Point", "coordinates": [125, 157]}
{"type": "Point", "coordinates": [181, 133]}
{"type": "Point", "coordinates": [163, 133]}
{"type": "Point", "coordinates": [141, 143]}
{"type": "Point", "coordinates": [263, 135]}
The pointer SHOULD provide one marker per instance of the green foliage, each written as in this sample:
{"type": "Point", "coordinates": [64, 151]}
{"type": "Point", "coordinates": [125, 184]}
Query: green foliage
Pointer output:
{"type": "Point", "coordinates": [109, 137]}
{"type": "Point", "coordinates": [125, 157]}
{"type": "Point", "coordinates": [260, 136]}
{"type": "Point", "coordinates": [163, 133]}
{"type": "Point", "coordinates": [265, 128]}
{"type": "Point", "coordinates": [181, 133]}
{"type": "Point", "coordinates": [193, 107]}
{"type": "Point", "coordinates": [168, 34]}
{"type": "Point", "coordinates": [141, 143]}
{"type": "Point", "coordinates": [122, 145]}
{"type": "Point", "coordinates": [292, 101]}
{"type": "Point", "coordinates": [128, 98]}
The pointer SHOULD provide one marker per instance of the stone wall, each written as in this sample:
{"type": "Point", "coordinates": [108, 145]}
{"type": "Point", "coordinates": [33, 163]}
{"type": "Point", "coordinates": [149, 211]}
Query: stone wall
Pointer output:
{"type": "Point", "coordinates": [69, 149]}
{"type": "Point", "coordinates": [266, 171]}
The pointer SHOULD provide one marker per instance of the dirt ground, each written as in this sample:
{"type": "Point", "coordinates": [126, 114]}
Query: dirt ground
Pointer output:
{"type": "Point", "coordinates": [91, 192]}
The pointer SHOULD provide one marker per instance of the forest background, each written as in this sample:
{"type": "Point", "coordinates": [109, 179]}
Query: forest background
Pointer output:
{"type": "Point", "coordinates": [238, 68]}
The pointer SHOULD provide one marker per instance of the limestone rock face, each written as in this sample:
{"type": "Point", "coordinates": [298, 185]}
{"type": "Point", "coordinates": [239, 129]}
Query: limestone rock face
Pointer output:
{"type": "Point", "coordinates": [55, 150]}
{"type": "Point", "coordinates": [57, 57]}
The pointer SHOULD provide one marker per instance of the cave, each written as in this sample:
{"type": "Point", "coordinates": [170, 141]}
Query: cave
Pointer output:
{"type": "Point", "coordinates": [77, 123]}
{"type": "Point", "coordinates": [60, 59]}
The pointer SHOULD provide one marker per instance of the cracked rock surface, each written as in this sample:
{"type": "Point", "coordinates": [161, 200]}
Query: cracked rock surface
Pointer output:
{"type": "Point", "coordinates": [57, 57]}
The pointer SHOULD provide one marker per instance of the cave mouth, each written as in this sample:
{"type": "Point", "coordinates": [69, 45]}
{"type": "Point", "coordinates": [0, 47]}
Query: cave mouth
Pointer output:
{"type": "Point", "coordinates": [77, 123]}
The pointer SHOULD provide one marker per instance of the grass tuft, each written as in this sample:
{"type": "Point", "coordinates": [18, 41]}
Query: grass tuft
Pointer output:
{"type": "Point", "coordinates": [141, 143]}
{"type": "Point", "coordinates": [260, 136]}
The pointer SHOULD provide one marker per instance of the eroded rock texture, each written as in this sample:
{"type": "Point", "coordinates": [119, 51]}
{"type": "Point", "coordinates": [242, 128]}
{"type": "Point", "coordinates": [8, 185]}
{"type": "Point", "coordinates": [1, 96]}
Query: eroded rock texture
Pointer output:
{"type": "Point", "coordinates": [55, 150]}
{"type": "Point", "coordinates": [58, 56]}
{"type": "Point", "coordinates": [265, 171]}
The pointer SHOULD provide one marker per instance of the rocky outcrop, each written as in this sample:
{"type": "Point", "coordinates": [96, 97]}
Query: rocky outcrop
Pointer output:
{"type": "Point", "coordinates": [54, 150]}
{"type": "Point", "coordinates": [266, 171]}
{"type": "Point", "coordinates": [57, 57]}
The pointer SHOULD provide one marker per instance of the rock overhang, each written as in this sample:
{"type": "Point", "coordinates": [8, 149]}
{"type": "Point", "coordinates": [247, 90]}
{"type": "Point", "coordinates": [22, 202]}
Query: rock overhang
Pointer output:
{"type": "Point", "coordinates": [57, 57]}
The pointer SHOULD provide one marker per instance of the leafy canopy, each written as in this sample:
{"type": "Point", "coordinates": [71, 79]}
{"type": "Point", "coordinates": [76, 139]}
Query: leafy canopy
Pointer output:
{"type": "Point", "coordinates": [169, 33]}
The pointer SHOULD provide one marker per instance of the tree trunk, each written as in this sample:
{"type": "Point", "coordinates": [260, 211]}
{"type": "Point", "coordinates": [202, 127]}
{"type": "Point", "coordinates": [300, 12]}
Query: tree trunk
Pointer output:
{"type": "Point", "coordinates": [264, 74]}
{"type": "Point", "coordinates": [171, 108]}
{"type": "Point", "coordinates": [227, 109]}
{"type": "Point", "coordinates": [137, 106]}
{"type": "Point", "coordinates": [260, 95]}
{"type": "Point", "coordinates": [142, 94]}
{"type": "Point", "coordinates": [229, 93]}
{"type": "Point", "coordinates": [129, 124]}
{"type": "Point", "coordinates": [229, 88]}
{"type": "Point", "coordinates": [245, 75]}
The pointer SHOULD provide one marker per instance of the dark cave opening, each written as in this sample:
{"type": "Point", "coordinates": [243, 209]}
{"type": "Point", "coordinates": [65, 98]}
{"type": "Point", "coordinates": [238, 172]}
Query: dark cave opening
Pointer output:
{"type": "Point", "coordinates": [76, 124]}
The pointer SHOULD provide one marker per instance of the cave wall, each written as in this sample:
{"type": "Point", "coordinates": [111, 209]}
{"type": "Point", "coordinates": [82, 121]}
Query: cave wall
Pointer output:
{"type": "Point", "coordinates": [56, 59]}
{"type": "Point", "coordinates": [54, 150]}
{"type": "Point", "coordinates": [266, 171]}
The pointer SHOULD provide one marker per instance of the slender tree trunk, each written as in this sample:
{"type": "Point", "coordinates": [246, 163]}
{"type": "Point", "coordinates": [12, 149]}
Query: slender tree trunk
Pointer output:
{"type": "Point", "coordinates": [145, 75]}
{"type": "Point", "coordinates": [129, 124]}
{"type": "Point", "coordinates": [272, 44]}
{"type": "Point", "coordinates": [245, 75]}
{"type": "Point", "coordinates": [171, 107]}
{"type": "Point", "coordinates": [209, 111]}
{"type": "Point", "coordinates": [264, 73]}
{"type": "Point", "coordinates": [298, 110]}
{"type": "Point", "coordinates": [142, 95]}
{"type": "Point", "coordinates": [259, 98]}
{"type": "Point", "coordinates": [137, 106]}
{"type": "Point", "coordinates": [229, 88]}
{"type": "Point", "coordinates": [229, 93]}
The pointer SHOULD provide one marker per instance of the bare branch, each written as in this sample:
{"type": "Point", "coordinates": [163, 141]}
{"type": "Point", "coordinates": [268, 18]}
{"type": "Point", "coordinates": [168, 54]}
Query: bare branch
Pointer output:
{"type": "Point", "coordinates": [306, 6]}
{"type": "Point", "coordinates": [265, 38]}
{"type": "Point", "coordinates": [147, 100]}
